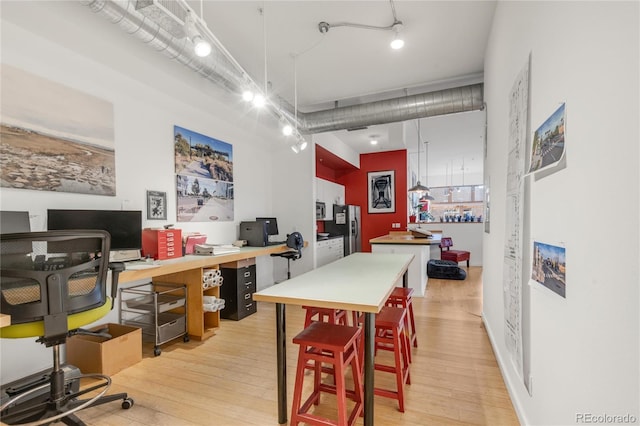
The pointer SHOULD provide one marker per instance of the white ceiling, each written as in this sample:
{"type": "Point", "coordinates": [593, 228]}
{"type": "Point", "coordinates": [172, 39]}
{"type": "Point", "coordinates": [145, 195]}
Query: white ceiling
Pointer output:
{"type": "Point", "coordinates": [444, 47]}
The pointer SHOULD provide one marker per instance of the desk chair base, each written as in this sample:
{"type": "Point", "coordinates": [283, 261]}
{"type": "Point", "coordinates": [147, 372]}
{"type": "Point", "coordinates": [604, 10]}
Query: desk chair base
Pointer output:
{"type": "Point", "coordinates": [45, 398]}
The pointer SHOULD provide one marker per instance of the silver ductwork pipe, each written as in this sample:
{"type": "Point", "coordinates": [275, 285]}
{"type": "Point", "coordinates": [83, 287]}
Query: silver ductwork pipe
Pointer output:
{"type": "Point", "coordinates": [222, 69]}
{"type": "Point", "coordinates": [447, 101]}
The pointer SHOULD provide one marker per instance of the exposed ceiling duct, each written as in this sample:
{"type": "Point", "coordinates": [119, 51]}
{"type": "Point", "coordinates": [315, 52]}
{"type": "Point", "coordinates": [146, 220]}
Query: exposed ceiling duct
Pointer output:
{"type": "Point", "coordinates": [222, 69]}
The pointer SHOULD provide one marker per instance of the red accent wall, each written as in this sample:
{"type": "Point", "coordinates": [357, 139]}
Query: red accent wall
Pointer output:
{"type": "Point", "coordinates": [356, 188]}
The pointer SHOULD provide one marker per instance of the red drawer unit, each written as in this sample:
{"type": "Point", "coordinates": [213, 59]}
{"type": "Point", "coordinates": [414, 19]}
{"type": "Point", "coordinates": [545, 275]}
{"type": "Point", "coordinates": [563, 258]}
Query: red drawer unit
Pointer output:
{"type": "Point", "coordinates": [162, 244]}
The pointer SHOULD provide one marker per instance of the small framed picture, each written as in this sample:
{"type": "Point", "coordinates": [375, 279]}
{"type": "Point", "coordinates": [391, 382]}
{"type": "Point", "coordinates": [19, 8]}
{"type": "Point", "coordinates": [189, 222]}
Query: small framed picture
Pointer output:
{"type": "Point", "coordinates": [156, 205]}
{"type": "Point", "coordinates": [382, 192]}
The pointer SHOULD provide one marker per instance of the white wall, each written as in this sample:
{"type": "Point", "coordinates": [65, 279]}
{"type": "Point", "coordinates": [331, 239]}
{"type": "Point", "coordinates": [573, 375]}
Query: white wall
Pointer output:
{"type": "Point", "coordinates": [65, 42]}
{"type": "Point", "coordinates": [584, 349]}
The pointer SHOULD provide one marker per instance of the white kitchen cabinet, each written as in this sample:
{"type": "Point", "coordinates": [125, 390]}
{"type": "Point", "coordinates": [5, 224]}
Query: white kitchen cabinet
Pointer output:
{"type": "Point", "coordinates": [328, 251]}
{"type": "Point", "coordinates": [329, 193]}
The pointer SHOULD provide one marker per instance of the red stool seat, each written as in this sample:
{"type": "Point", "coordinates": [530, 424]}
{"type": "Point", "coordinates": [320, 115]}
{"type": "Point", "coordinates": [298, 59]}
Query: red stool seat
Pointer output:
{"type": "Point", "coordinates": [402, 298]}
{"type": "Point", "coordinates": [333, 344]}
{"type": "Point", "coordinates": [391, 336]}
{"type": "Point", "coordinates": [454, 255]}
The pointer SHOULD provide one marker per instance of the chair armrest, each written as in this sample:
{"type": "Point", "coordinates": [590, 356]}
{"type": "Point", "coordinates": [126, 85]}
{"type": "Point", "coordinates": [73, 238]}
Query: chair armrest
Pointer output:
{"type": "Point", "coordinates": [116, 268]}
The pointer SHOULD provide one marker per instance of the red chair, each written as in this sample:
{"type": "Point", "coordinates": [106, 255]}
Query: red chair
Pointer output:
{"type": "Point", "coordinates": [453, 255]}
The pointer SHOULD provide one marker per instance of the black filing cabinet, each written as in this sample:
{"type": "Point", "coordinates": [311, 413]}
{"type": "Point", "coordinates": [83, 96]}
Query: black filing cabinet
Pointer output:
{"type": "Point", "coordinates": [238, 286]}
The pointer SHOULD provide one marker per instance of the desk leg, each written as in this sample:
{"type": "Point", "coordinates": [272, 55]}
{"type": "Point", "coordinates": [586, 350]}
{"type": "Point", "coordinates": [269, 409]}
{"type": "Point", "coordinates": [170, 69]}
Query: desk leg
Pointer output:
{"type": "Point", "coordinates": [369, 337]}
{"type": "Point", "coordinates": [281, 339]}
{"type": "Point", "coordinates": [405, 279]}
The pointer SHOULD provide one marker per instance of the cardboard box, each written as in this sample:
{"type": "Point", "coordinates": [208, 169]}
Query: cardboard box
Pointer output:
{"type": "Point", "coordinates": [92, 354]}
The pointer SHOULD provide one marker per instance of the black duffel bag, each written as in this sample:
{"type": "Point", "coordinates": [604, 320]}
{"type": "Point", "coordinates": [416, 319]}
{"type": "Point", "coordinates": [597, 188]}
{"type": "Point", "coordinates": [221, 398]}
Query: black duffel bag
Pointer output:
{"type": "Point", "coordinates": [445, 269]}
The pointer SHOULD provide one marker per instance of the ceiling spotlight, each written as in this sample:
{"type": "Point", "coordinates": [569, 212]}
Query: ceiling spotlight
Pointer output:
{"type": "Point", "coordinates": [397, 42]}
{"type": "Point", "coordinates": [295, 148]}
{"type": "Point", "coordinates": [247, 95]}
{"type": "Point", "coordinates": [303, 144]}
{"type": "Point", "coordinates": [201, 46]}
{"type": "Point", "coordinates": [287, 130]}
{"type": "Point", "coordinates": [259, 101]}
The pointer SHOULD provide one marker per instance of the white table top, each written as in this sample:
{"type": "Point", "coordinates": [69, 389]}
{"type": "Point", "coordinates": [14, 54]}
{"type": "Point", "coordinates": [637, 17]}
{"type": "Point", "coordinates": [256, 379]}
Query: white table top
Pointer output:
{"type": "Point", "coordinates": [359, 282]}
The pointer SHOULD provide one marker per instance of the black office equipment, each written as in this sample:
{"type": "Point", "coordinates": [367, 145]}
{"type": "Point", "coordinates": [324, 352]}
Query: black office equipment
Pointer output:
{"type": "Point", "coordinates": [14, 221]}
{"type": "Point", "coordinates": [239, 284]}
{"type": "Point", "coordinates": [53, 283]}
{"type": "Point", "coordinates": [272, 230]}
{"type": "Point", "coordinates": [124, 227]}
{"type": "Point", "coordinates": [254, 232]}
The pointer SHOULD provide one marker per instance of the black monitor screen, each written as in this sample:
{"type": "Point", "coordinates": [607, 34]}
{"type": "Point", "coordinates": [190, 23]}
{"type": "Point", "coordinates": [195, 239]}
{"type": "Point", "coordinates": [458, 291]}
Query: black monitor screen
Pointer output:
{"type": "Point", "coordinates": [272, 224]}
{"type": "Point", "coordinates": [125, 226]}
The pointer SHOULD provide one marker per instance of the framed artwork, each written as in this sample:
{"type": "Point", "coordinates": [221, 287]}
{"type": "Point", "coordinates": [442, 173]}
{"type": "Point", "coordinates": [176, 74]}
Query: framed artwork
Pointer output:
{"type": "Point", "coordinates": [204, 177]}
{"type": "Point", "coordinates": [156, 205]}
{"type": "Point", "coordinates": [381, 192]}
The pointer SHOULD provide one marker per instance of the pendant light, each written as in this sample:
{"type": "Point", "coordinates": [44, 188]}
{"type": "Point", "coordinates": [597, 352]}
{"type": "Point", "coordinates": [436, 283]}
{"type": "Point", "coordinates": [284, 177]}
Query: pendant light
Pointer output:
{"type": "Point", "coordinates": [418, 188]}
{"type": "Point", "coordinates": [426, 195]}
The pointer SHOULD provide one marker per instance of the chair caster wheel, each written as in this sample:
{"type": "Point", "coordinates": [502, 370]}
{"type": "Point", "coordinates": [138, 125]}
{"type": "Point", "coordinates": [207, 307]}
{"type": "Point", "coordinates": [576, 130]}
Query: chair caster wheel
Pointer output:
{"type": "Point", "coordinates": [127, 403]}
{"type": "Point", "coordinates": [157, 351]}
{"type": "Point", "coordinates": [185, 338]}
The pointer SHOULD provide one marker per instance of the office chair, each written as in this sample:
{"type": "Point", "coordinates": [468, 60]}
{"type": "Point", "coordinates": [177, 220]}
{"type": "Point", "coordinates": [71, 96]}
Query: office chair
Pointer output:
{"type": "Point", "coordinates": [52, 283]}
{"type": "Point", "coordinates": [295, 243]}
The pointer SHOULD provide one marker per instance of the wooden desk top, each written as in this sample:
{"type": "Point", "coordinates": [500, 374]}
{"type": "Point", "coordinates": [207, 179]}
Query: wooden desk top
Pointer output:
{"type": "Point", "coordinates": [359, 282]}
{"type": "Point", "coordinates": [188, 262]}
{"type": "Point", "coordinates": [404, 239]}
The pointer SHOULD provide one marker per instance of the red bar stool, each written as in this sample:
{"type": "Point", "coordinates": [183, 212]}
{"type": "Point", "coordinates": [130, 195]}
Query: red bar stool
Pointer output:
{"type": "Point", "coordinates": [333, 344]}
{"type": "Point", "coordinates": [391, 336]}
{"type": "Point", "coordinates": [402, 298]}
{"type": "Point", "coordinates": [332, 316]}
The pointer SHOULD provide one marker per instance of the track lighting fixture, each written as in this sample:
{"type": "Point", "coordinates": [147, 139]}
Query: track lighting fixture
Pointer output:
{"type": "Point", "coordinates": [396, 27]}
{"type": "Point", "coordinates": [287, 130]}
{"type": "Point", "coordinates": [201, 46]}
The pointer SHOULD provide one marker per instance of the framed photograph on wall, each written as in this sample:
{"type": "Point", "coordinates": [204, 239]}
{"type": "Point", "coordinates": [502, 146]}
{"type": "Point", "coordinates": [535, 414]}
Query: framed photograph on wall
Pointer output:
{"type": "Point", "coordinates": [381, 187]}
{"type": "Point", "coordinates": [156, 205]}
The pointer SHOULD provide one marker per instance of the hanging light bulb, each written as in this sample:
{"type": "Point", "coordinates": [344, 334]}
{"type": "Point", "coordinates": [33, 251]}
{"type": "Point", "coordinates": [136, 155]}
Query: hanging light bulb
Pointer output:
{"type": "Point", "coordinates": [397, 42]}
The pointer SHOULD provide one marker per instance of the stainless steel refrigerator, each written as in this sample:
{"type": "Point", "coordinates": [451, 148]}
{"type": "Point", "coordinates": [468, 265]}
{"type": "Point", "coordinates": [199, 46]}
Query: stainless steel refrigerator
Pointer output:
{"type": "Point", "coordinates": [346, 222]}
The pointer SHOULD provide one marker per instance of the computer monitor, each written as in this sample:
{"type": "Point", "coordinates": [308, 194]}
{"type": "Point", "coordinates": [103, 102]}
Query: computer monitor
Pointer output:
{"type": "Point", "coordinates": [11, 222]}
{"type": "Point", "coordinates": [272, 224]}
{"type": "Point", "coordinates": [124, 226]}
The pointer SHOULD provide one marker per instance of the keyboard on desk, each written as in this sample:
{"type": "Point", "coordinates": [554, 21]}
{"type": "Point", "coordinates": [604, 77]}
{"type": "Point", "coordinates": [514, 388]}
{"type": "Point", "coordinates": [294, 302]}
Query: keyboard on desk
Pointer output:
{"type": "Point", "coordinates": [275, 243]}
{"type": "Point", "coordinates": [136, 265]}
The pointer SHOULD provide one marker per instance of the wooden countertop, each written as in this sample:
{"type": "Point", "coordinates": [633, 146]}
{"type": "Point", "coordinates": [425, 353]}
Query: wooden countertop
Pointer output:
{"type": "Point", "coordinates": [404, 239]}
{"type": "Point", "coordinates": [165, 267]}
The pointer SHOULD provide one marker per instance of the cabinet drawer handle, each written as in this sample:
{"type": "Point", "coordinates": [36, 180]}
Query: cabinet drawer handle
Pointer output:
{"type": "Point", "coordinates": [247, 296]}
{"type": "Point", "coordinates": [248, 283]}
{"type": "Point", "coordinates": [247, 274]}
{"type": "Point", "coordinates": [248, 306]}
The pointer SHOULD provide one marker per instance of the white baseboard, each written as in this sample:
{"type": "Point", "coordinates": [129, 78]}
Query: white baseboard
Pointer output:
{"type": "Point", "coordinates": [507, 378]}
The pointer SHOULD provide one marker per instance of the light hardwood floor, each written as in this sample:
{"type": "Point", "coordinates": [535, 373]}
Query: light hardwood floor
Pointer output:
{"type": "Point", "coordinates": [230, 378]}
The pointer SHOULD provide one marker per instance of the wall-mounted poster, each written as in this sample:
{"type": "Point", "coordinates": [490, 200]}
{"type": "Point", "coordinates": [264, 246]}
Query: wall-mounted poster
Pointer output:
{"type": "Point", "coordinates": [547, 147]}
{"type": "Point", "coordinates": [549, 267]}
{"type": "Point", "coordinates": [382, 192]}
{"type": "Point", "coordinates": [204, 177]}
{"type": "Point", "coordinates": [54, 137]}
